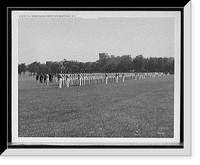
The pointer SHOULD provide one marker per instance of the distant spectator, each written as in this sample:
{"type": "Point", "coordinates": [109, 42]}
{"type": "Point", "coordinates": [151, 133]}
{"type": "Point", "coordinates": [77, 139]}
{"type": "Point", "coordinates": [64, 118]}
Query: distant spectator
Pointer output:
{"type": "Point", "coordinates": [45, 77]}
{"type": "Point", "coordinates": [50, 78]}
{"type": "Point", "coordinates": [37, 77]}
{"type": "Point", "coordinates": [41, 78]}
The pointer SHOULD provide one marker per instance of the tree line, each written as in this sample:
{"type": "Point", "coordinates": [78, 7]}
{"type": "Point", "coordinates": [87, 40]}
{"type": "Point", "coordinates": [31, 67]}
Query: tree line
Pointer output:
{"type": "Point", "coordinates": [111, 64]}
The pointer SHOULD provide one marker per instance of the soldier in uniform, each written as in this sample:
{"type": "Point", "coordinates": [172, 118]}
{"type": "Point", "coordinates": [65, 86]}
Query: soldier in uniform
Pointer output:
{"type": "Point", "coordinates": [50, 77]}
{"type": "Point", "coordinates": [123, 77]}
{"type": "Point", "coordinates": [106, 78]}
{"type": "Point", "coordinates": [56, 77]}
{"type": "Point", "coordinates": [47, 79]}
{"type": "Point", "coordinates": [67, 80]}
{"type": "Point", "coordinates": [116, 77]}
{"type": "Point", "coordinates": [64, 78]}
{"type": "Point", "coordinates": [60, 78]}
{"type": "Point", "coordinates": [79, 79]}
{"type": "Point", "coordinates": [41, 78]}
{"type": "Point", "coordinates": [37, 77]}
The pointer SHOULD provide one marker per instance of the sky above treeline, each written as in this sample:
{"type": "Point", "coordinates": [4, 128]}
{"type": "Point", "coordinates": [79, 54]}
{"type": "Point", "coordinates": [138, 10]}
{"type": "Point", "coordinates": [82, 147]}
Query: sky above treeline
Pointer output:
{"type": "Point", "coordinates": [55, 39]}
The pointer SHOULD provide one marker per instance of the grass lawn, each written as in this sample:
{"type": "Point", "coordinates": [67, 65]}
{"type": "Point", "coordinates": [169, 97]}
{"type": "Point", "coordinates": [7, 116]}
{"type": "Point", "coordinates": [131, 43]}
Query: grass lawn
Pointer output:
{"type": "Point", "coordinates": [135, 108]}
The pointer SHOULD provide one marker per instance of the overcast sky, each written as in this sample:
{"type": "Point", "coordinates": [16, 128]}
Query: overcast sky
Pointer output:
{"type": "Point", "coordinates": [55, 39]}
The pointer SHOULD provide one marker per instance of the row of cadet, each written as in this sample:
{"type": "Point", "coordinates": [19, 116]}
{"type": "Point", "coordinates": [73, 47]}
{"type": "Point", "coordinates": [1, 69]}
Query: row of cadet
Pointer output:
{"type": "Point", "coordinates": [44, 78]}
{"type": "Point", "coordinates": [90, 78]}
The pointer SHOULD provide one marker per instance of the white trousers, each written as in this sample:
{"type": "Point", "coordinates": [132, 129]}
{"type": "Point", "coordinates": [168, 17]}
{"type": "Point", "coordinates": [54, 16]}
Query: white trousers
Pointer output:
{"type": "Point", "coordinates": [47, 81]}
{"type": "Point", "coordinates": [117, 79]}
{"type": "Point", "coordinates": [80, 81]}
{"type": "Point", "coordinates": [67, 82]}
{"type": "Point", "coordinates": [106, 80]}
{"type": "Point", "coordinates": [60, 82]}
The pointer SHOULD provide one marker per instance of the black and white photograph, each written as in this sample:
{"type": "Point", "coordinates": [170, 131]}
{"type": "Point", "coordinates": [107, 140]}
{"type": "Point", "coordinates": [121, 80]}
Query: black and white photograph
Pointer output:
{"type": "Point", "coordinates": [97, 74]}
{"type": "Point", "coordinates": [97, 78]}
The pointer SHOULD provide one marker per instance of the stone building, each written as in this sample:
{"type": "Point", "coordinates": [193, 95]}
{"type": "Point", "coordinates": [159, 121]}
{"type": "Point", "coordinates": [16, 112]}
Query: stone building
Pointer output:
{"type": "Point", "coordinates": [103, 56]}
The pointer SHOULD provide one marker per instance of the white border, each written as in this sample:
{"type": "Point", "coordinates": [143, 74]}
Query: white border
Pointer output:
{"type": "Point", "coordinates": [95, 141]}
{"type": "Point", "coordinates": [187, 77]}
{"type": "Point", "coordinates": [14, 76]}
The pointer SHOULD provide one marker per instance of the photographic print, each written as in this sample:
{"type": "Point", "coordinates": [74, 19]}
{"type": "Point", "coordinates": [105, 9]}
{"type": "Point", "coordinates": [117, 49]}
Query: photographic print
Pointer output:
{"type": "Point", "coordinates": [97, 79]}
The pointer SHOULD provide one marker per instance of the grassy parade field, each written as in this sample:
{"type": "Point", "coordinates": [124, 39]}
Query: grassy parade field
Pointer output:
{"type": "Point", "coordinates": [135, 108]}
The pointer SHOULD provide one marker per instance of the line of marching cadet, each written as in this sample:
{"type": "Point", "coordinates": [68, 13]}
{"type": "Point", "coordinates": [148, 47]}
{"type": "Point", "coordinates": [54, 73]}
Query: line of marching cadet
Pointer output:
{"type": "Point", "coordinates": [81, 79]}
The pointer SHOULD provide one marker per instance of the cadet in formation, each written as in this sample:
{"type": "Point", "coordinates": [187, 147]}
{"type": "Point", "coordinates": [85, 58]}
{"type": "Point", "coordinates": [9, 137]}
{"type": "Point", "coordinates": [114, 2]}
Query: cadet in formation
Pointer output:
{"type": "Point", "coordinates": [106, 78]}
{"type": "Point", "coordinates": [67, 80]}
{"type": "Point", "coordinates": [60, 78]}
{"type": "Point", "coordinates": [117, 77]}
{"type": "Point", "coordinates": [123, 77]}
{"type": "Point", "coordinates": [79, 79]}
{"type": "Point", "coordinates": [47, 79]}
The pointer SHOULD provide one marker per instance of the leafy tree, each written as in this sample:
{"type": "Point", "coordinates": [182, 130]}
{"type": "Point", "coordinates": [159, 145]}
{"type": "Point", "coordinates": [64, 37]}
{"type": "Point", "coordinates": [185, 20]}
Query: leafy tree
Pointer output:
{"type": "Point", "coordinates": [49, 65]}
{"type": "Point", "coordinates": [151, 65]}
{"type": "Point", "coordinates": [56, 67]}
{"type": "Point", "coordinates": [95, 66]}
{"type": "Point", "coordinates": [81, 67]}
{"type": "Point", "coordinates": [138, 64]}
{"type": "Point", "coordinates": [88, 66]}
{"type": "Point", "coordinates": [22, 68]}
{"type": "Point", "coordinates": [34, 67]}
{"type": "Point", "coordinates": [168, 65]}
{"type": "Point", "coordinates": [110, 64]}
{"type": "Point", "coordinates": [124, 65]}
